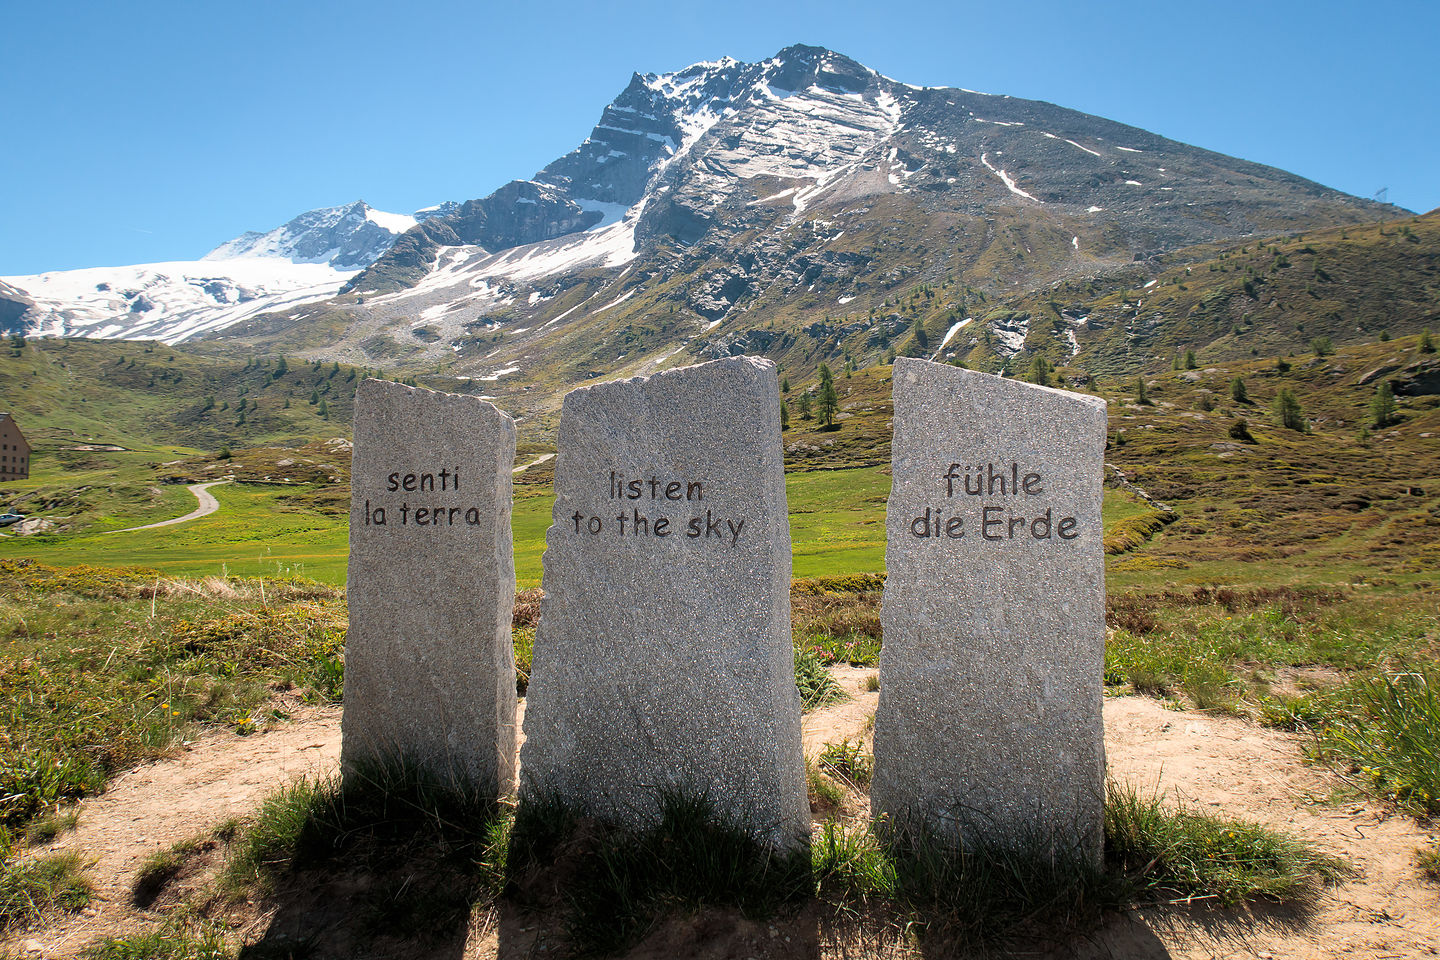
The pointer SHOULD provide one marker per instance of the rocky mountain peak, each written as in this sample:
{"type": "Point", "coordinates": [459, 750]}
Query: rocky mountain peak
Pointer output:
{"type": "Point", "coordinates": [347, 237]}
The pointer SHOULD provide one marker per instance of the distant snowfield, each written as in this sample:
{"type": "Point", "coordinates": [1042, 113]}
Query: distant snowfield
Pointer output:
{"type": "Point", "coordinates": [172, 301]}
{"type": "Point", "coordinates": [254, 273]}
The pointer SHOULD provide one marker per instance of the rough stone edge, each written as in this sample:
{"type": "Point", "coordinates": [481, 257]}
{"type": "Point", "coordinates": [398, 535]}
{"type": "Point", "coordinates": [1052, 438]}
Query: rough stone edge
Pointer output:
{"type": "Point", "coordinates": [777, 836]}
{"type": "Point", "coordinates": [1091, 848]}
{"type": "Point", "coordinates": [506, 772]}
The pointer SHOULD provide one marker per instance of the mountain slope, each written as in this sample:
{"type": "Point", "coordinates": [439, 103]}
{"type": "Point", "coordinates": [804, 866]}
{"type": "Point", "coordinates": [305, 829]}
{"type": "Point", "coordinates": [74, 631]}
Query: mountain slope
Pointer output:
{"type": "Point", "coordinates": [789, 208]}
{"type": "Point", "coordinates": [309, 258]}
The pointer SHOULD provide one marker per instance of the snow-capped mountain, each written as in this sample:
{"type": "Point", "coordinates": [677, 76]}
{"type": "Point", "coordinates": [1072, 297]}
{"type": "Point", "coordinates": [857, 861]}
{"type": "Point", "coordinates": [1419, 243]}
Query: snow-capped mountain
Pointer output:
{"type": "Point", "coordinates": [783, 208]}
{"type": "Point", "coordinates": [309, 258]}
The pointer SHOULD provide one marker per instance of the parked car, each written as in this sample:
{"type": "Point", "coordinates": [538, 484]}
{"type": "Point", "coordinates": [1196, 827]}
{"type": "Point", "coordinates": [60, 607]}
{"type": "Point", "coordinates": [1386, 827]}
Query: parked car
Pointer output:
{"type": "Point", "coordinates": [8, 518]}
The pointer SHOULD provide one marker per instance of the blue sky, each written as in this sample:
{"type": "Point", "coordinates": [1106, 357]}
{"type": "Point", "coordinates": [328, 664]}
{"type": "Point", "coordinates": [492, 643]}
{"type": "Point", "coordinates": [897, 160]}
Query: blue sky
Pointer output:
{"type": "Point", "coordinates": [147, 131]}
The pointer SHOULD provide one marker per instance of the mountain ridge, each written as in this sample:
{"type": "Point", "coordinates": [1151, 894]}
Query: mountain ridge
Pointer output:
{"type": "Point", "coordinates": [783, 207]}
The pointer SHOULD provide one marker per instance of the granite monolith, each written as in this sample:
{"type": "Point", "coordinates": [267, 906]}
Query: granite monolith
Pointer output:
{"type": "Point", "coordinates": [663, 660]}
{"type": "Point", "coordinates": [429, 666]}
{"type": "Point", "coordinates": [988, 727]}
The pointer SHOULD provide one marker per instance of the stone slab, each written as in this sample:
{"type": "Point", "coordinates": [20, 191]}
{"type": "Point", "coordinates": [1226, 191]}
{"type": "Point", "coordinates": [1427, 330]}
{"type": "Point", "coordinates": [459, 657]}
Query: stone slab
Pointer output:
{"type": "Point", "coordinates": [992, 668]}
{"type": "Point", "coordinates": [429, 666]}
{"type": "Point", "coordinates": [663, 657]}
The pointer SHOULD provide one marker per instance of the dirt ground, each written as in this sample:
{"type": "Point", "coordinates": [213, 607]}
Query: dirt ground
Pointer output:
{"type": "Point", "coordinates": [1221, 764]}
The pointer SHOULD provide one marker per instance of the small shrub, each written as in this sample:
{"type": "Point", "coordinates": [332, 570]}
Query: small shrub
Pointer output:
{"type": "Point", "coordinates": [1240, 430]}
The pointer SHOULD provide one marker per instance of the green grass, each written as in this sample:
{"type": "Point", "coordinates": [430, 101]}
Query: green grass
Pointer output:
{"type": "Point", "coordinates": [1224, 648]}
{"type": "Point", "coordinates": [1428, 860]}
{"type": "Point", "coordinates": [1187, 855]}
{"type": "Point", "coordinates": [32, 889]}
{"type": "Point", "coordinates": [251, 535]}
{"type": "Point", "coordinates": [161, 867]}
{"type": "Point", "coordinates": [433, 849]}
{"type": "Point", "coordinates": [984, 896]}
{"type": "Point", "coordinates": [849, 761]}
{"type": "Point", "coordinates": [1384, 730]}
{"type": "Point", "coordinates": [838, 618]}
{"type": "Point", "coordinates": [45, 828]}
{"type": "Point", "coordinates": [412, 859]}
{"type": "Point", "coordinates": [183, 938]}
{"type": "Point", "coordinates": [817, 687]}
{"type": "Point", "coordinates": [104, 668]}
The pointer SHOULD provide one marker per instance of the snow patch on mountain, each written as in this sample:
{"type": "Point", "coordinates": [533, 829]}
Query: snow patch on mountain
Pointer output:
{"type": "Point", "coordinates": [1005, 179]}
{"type": "Point", "coordinates": [309, 258]}
{"type": "Point", "coordinates": [170, 301]}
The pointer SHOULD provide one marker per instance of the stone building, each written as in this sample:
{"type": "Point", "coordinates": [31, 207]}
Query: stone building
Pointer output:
{"type": "Point", "coordinates": [14, 451]}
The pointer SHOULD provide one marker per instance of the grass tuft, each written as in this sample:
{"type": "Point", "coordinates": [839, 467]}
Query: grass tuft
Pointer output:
{"type": "Point", "coordinates": [180, 939]}
{"type": "Point", "coordinates": [1428, 860]}
{"type": "Point", "coordinates": [848, 760]}
{"type": "Point", "coordinates": [161, 867]}
{"type": "Point", "coordinates": [969, 898]}
{"type": "Point", "coordinates": [435, 849]}
{"type": "Point", "coordinates": [1387, 731]}
{"type": "Point", "coordinates": [46, 828]}
{"type": "Point", "coordinates": [823, 792]}
{"type": "Point", "coordinates": [980, 896]}
{"type": "Point", "coordinates": [33, 889]}
{"type": "Point", "coordinates": [817, 688]}
{"type": "Point", "coordinates": [1183, 855]}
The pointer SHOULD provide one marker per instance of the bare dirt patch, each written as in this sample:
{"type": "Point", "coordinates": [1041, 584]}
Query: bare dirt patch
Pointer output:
{"type": "Point", "coordinates": [1220, 765]}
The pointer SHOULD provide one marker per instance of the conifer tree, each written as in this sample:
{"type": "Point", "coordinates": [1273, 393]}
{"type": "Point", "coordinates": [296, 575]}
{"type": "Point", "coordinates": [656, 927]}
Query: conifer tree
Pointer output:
{"type": "Point", "coordinates": [1287, 408]}
{"type": "Point", "coordinates": [1382, 407]}
{"type": "Point", "coordinates": [922, 342]}
{"type": "Point", "coordinates": [1238, 393]}
{"type": "Point", "coordinates": [826, 403]}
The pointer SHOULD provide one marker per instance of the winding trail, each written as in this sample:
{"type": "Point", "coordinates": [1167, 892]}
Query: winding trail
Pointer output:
{"type": "Point", "coordinates": [208, 505]}
{"type": "Point", "coordinates": [534, 463]}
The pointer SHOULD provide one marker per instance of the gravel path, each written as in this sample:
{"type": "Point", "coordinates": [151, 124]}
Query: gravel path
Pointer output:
{"type": "Point", "coordinates": [208, 505]}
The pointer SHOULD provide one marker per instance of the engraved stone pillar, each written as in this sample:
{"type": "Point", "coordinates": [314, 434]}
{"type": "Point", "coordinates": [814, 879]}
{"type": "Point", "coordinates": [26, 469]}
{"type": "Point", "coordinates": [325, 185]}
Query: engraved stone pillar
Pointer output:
{"type": "Point", "coordinates": [989, 725]}
{"type": "Point", "coordinates": [663, 658]}
{"type": "Point", "coordinates": [429, 666]}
